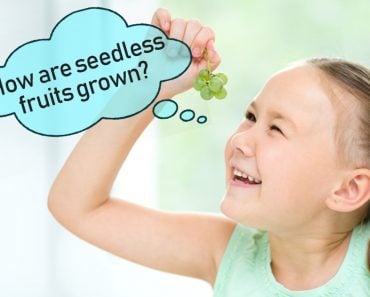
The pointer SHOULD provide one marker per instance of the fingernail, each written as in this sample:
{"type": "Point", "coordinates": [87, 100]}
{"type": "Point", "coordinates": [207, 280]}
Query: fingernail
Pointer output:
{"type": "Point", "coordinates": [211, 46]}
{"type": "Point", "coordinates": [173, 49]}
{"type": "Point", "coordinates": [196, 52]}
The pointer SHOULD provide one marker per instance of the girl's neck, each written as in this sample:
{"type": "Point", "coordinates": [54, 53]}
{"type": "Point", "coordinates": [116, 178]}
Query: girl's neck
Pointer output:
{"type": "Point", "coordinates": [306, 262]}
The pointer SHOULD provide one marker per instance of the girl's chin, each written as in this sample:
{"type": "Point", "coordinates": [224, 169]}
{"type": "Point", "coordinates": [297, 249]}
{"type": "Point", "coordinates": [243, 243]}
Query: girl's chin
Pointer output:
{"type": "Point", "coordinates": [240, 209]}
{"type": "Point", "coordinates": [232, 205]}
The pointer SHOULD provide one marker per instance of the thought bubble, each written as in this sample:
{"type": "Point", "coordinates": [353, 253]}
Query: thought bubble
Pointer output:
{"type": "Point", "coordinates": [167, 108]}
{"type": "Point", "coordinates": [93, 66]}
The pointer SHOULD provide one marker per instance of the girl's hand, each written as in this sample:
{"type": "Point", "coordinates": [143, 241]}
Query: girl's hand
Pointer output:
{"type": "Point", "coordinates": [198, 38]}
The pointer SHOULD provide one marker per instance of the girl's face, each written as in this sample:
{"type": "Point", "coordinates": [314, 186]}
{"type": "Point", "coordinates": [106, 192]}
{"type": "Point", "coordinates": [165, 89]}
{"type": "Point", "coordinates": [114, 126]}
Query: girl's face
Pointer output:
{"type": "Point", "coordinates": [287, 142]}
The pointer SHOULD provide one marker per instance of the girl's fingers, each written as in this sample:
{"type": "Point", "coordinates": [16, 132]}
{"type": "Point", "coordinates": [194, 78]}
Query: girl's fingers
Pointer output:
{"type": "Point", "coordinates": [193, 27]}
{"type": "Point", "coordinates": [162, 19]}
{"type": "Point", "coordinates": [213, 57]}
{"type": "Point", "coordinates": [200, 41]}
{"type": "Point", "coordinates": [177, 29]}
{"type": "Point", "coordinates": [192, 32]}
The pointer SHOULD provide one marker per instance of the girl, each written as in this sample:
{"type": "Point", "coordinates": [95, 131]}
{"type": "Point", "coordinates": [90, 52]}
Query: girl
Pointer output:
{"type": "Point", "coordinates": [297, 186]}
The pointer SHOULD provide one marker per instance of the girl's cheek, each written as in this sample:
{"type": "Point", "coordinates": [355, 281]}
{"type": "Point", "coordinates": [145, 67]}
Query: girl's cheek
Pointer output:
{"type": "Point", "coordinates": [270, 159]}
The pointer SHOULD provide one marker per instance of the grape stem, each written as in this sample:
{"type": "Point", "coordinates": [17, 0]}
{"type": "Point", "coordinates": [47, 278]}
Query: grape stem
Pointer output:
{"type": "Point", "coordinates": [207, 59]}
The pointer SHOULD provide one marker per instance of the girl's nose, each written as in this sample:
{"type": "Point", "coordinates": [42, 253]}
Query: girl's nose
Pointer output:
{"type": "Point", "coordinates": [244, 141]}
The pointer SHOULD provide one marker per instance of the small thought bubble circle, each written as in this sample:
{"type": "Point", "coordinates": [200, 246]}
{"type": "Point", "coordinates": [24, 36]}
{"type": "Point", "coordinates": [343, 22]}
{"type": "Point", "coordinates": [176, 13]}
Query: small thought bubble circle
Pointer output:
{"type": "Point", "coordinates": [201, 119]}
{"type": "Point", "coordinates": [187, 115]}
{"type": "Point", "coordinates": [167, 108]}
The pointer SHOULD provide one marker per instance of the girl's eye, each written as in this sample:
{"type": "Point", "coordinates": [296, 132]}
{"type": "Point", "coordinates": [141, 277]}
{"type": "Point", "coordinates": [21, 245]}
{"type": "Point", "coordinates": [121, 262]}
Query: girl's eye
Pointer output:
{"type": "Point", "coordinates": [250, 117]}
{"type": "Point", "coordinates": [273, 127]}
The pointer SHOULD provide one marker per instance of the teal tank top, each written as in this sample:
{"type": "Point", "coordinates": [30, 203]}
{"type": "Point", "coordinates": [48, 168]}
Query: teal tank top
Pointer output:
{"type": "Point", "coordinates": [245, 269]}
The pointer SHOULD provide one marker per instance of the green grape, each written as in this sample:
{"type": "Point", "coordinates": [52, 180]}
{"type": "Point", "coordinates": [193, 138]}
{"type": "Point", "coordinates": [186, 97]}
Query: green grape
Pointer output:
{"type": "Point", "coordinates": [221, 94]}
{"type": "Point", "coordinates": [215, 84]}
{"type": "Point", "coordinates": [205, 74]}
{"type": "Point", "coordinates": [206, 93]}
{"type": "Point", "coordinates": [223, 77]}
{"type": "Point", "coordinates": [210, 85]}
{"type": "Point", "coordinates": [199, 83]}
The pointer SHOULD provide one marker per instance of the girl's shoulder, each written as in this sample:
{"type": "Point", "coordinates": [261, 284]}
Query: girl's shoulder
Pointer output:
{"type": "Point", "coordinates": [357, 267]}
{"type": "Point", "coordinates": [361, 237]}
{"type": "Point", "coordinates": [246, 259]}
{"type": "Point", "coordinates": [363, 228]}
{"type": "Point", "coordinates": [243, 251]}
{"type": "Point", "coordinates": [360, 244]}
{"type": "Point", "coordinates": [244, 238]}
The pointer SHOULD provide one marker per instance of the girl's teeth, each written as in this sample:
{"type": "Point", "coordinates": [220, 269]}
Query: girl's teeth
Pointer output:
{"type": "Point", "coordinates": [237, 172]}
{"type": "Point", "coordinates": [244, 175]}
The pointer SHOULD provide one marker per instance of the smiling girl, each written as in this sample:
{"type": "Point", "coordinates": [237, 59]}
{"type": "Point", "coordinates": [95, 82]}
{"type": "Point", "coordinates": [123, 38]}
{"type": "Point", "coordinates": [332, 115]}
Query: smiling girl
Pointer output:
{"type": "Point", "coordinates": [297, 199]}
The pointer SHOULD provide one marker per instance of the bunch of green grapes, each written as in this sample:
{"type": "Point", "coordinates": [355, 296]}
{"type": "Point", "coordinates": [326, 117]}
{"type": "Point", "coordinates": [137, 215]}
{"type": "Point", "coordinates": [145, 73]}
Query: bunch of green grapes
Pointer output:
{"type": "Point", "coordinates": [210, 85]}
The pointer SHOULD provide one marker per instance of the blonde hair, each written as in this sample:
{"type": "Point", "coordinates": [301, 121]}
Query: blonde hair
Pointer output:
{"type": "Point", "coordinates": [353, 142]}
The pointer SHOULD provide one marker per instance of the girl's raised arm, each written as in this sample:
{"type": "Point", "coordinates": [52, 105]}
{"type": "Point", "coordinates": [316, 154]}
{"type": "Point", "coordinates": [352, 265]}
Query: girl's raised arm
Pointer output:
{"type": "Point", "coordinates": [189, 244]}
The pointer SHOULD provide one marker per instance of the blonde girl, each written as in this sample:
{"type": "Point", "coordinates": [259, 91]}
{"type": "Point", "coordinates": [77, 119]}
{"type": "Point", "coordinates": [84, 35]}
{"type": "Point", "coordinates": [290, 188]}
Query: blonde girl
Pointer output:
{"type": "Point", "coordinates": [296, 203]}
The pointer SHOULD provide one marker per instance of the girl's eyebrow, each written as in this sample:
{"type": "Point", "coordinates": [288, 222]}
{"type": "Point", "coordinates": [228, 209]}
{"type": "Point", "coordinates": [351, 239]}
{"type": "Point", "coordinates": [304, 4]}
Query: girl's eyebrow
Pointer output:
{"type": "Point", "coordinates": [276, 114]}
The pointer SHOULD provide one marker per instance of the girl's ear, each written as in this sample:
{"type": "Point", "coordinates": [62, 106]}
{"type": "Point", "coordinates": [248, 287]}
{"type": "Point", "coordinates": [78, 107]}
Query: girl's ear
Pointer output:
{"type": "Point", "coordinates": [352, 193]}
